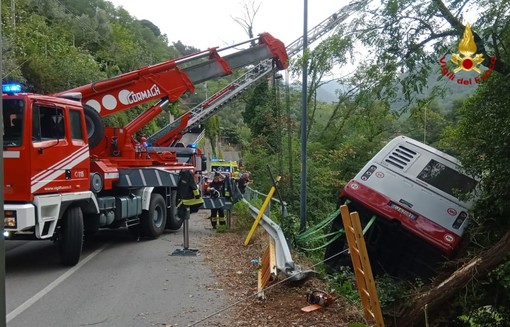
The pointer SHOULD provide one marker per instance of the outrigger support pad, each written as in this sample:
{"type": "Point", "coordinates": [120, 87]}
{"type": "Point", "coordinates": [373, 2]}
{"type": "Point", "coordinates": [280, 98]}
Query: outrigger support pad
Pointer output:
{"type": "Point", "coordinates": [186, 251]}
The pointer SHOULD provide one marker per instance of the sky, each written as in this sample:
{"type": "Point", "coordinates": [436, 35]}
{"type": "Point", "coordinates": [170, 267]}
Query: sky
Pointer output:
{"type": "Point", "coordinates": [209, 23]}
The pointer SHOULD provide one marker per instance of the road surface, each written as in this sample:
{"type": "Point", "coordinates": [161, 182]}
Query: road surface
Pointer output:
{"type": "Point", "coordinates": [118, 282]}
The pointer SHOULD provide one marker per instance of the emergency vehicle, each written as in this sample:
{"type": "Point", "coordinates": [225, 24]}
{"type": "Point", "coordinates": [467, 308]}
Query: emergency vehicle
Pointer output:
{"type": "Point", "coordinates": [228, 167]}
{"type": "Point", "coordinates": [66, 174]}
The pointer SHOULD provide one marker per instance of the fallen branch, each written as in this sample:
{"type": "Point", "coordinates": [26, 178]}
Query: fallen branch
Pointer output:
{"type": "Point", "coordinates": [478, 267]}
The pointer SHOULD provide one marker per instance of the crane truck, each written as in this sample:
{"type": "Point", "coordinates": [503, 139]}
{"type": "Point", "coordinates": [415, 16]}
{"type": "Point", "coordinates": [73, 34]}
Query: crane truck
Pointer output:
{"type": "Point", "coordinates": [67, 174]}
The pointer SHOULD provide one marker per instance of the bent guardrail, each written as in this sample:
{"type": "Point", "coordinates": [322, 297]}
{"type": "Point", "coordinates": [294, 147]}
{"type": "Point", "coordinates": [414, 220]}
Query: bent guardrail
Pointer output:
{"type": "Point", "coordinates": [283, 256]}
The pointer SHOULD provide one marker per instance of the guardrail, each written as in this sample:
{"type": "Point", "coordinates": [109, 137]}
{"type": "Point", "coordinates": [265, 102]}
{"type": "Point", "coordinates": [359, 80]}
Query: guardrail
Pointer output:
{"type": "Point", "coordinates": [252, 194]}
{"type": "Point", "coordinates": [283, 256]}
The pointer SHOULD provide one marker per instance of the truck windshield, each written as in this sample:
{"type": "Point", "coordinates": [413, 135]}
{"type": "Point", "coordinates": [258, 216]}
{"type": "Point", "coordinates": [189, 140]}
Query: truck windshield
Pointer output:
{"type": "Point", "coordinates": [13, 117]}
{"type": "Point", "coordinates": [183, 157]}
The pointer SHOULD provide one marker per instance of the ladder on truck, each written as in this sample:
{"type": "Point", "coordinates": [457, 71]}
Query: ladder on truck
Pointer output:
{"type": "Point", "coordinates": [167, 135]}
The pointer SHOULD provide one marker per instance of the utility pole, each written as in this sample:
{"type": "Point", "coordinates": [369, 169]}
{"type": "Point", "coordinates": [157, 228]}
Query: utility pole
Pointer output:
{"type": "Point", "coordinates": [304, 116]}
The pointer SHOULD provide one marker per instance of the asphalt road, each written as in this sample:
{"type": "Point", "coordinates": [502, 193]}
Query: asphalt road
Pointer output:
{"type": "Point", "coordinates": [118, 282]}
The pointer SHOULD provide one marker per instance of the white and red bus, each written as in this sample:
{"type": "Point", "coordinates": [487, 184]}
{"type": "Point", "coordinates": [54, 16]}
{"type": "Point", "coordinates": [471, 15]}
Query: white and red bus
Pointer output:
{"type": "Point", "coordinates": [413, 190]}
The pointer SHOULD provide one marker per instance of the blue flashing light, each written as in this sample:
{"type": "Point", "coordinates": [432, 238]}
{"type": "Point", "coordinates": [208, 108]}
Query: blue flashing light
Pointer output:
{"type": "Point", "coordinates": [11, 88]}
{"type": "Point", "coordinates": [193, 146]}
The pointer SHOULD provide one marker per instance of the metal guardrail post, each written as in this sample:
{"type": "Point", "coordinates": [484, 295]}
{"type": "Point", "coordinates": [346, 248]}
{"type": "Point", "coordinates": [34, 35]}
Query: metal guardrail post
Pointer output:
{"type": "Point", "coordinates": [282, 255]}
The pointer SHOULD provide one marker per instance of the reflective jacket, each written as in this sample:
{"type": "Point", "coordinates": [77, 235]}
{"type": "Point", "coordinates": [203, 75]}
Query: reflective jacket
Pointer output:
{"type": "Point", "coordinates": [188, 192]}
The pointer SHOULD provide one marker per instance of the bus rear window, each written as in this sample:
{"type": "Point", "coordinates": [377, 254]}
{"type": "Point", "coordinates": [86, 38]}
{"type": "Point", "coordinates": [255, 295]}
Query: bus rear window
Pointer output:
{"type": "Point", "coordinates": [446, 179]}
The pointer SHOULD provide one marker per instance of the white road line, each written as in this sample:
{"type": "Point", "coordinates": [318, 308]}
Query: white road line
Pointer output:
{"type": "Point", "coordinates": [28, 303]}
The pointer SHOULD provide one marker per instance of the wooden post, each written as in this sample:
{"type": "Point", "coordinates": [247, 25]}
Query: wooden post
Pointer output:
{"type": "Point", "coordinates": [361, 265]}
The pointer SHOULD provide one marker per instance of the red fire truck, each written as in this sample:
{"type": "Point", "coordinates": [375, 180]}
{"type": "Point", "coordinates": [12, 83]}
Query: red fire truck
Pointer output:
{"type": "Point", "coordinates": [66, 174]}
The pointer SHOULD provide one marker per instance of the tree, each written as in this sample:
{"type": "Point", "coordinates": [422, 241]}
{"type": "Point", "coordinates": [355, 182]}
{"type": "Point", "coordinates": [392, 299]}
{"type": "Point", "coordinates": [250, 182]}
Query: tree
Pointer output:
{"type": "Point", "coordinates": [405, 41]}
{"type": "Point", "coordinates": [410, 37]}
{"type": "Point", "coordinates": [320, 62]}
{"type": "Point", "coordinates": [250, 10]}
{"type": "Point", "coordinates": [260, 116]}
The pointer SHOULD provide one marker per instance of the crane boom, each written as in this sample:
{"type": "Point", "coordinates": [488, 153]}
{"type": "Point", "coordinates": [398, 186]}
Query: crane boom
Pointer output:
{"type": "Point", "coordinates": [172, 78]}
{"type": "Point", "coordinates": [162, 83]}
{"type": "Point", "coordinates": [171, 133]}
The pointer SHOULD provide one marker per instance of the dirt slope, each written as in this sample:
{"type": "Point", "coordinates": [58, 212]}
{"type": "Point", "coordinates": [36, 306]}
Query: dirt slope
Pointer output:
{"type": "Point", "coordinates": [231, 263]}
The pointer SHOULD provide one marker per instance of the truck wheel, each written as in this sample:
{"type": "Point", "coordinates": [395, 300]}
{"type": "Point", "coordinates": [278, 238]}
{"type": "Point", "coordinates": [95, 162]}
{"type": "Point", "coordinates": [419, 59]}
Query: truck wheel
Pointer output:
{"type": "Point", "coordinates": [153, 221]}
{"type": "Point", "coordinates": [71, 236]}
{"type": "Point", "coordinates": [95, 126]}
{"type": "Point", "coordinates": [173, 221]}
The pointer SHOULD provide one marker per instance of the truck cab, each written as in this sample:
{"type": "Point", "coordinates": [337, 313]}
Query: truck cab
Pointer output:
{"type": "Point", "coordinates": [45, 146]}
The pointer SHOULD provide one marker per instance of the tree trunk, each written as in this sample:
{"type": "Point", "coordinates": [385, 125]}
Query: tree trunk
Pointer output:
{"type": "Point", "coordinates": [434, 298]}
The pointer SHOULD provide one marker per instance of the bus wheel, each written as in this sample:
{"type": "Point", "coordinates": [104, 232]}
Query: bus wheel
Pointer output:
{"type": "Point", "coordinates": [153, 221]}
{"type": "Point", "coordinates": [71, 236]}
{"type": "Point", "coordinates": [173, 221]}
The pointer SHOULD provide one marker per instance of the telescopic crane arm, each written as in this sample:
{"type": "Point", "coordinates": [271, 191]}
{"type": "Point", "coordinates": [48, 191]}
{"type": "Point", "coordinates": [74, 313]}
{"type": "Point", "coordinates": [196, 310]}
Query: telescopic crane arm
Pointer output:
{"type": "Point", "coordinates": [172, 78]}
{"type": "Point", "coordinates": [171, 133]}
{"type": "Point", "coordinates": [160, 84]}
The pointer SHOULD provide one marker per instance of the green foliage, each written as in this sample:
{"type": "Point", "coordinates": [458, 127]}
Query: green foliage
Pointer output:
{"type": "Point", "coordinates": [231, 135]}
{"type": "Point", "coordinates": [222, 229]}
{"type": "Point", "coordinates": [486, 302]}
{"type": "Point", "coordinates": [483, 316]}
{"type": "Point", "coordinates": [426, 122]}
{"type": "Point", "coordinates": [212, 131]}
{"type": "Point", "coordinates": [59, 44]}
{"type": "Point", "coordinates": [502, 276]}
{"type": "Point", "coordinates": [394, 294]}
{"type": "Point", "coordinates": [56, 45]}
{"type": "Point", "coordinates": [244, 220]}
{"type": "Point", "coordinates": [481, 138]}
{"type": "Point", "coordinates": [320, 62]}
{"type": "Point", "coordinates": [260, 115]}
{"type": "Point", "coordinates": [344, 283]}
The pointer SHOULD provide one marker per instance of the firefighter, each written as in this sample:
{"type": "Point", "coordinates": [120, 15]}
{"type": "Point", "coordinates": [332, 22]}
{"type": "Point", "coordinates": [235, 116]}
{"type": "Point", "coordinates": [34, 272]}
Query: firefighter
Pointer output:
{"type": "Point", "coordinates": [243, 182]}
{"type": "Point", "coordinates": [188, 194]}
{"type": "Point", "coordinates": [216, 189]}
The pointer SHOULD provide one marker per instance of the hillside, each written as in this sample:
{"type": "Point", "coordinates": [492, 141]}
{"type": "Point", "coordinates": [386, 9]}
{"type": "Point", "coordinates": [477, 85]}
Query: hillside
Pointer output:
{"type": "Point", "coordinates": [451, 91]}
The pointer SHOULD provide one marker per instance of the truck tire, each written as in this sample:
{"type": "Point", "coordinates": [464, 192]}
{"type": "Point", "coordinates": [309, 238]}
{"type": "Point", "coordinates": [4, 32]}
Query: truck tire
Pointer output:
{"type": "Point", "coordinates": [95, 126]}
{"type": "Point", "coordinates": [71, 236]}
{"type": "Point", "coordinates": [153, 221]}
{"type": "Point", "coordinates": [173, 222]}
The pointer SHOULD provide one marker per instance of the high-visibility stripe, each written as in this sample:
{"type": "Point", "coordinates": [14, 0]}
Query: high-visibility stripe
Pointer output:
{"type": "Point", "coordinates": [111, 175]}
{"type": "Point", "coordinates": [50, 176]}
{"type": "Point", "coordinates": [54, 166]}
{"type": "Point", "coordinates": [59, 165]}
